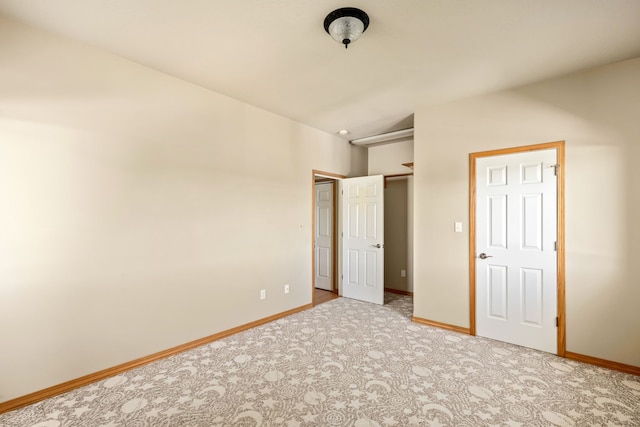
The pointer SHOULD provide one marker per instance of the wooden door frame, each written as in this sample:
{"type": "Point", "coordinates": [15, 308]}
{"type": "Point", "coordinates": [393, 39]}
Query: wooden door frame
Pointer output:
{"type": "Point", "coordinates": [559, 146]}
{"type": "Point", "coordinates": [334, 239]}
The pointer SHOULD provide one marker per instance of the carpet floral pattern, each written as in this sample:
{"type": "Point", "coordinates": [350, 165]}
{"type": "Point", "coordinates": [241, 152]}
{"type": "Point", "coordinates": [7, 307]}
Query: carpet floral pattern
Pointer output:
{"type": "Point", "coordinates": [349, 363]}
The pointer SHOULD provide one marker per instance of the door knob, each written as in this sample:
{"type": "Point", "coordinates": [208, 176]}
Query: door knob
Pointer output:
{"type": "Point", "coordinates": [484, 256]}
{"type": "Point", "coordinates": [377, 246]}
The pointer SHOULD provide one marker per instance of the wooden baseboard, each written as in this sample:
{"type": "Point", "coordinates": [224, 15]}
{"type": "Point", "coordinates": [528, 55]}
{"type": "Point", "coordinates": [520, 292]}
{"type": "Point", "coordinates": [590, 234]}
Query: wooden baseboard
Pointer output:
{"type": "Point", "coordinates": [441, 325]}
{"type": "Point", "coordinates": [399, 292]}
{"type": "Point", "coordinates": [616, 366]}
{"type": "Point", "coordinates": [115, 370]}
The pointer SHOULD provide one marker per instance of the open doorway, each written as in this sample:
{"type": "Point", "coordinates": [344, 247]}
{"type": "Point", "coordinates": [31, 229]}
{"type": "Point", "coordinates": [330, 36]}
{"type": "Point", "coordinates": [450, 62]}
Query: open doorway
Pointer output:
{"type": "Point", "coordinates": [325, 236]}
{"type": "Point", "coordinates": [398, 235]}
{"type": "Point", "coordinates": [361, 247]}
{"type": "Point", "coordinates": [394, 160]}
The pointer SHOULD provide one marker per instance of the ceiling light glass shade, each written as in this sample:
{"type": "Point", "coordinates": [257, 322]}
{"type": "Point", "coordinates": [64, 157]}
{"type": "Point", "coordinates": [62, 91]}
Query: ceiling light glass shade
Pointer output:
{"type": "Point", "coordinates": [346, 25]}
{"type": "Point", "coordinates": [346, 30]}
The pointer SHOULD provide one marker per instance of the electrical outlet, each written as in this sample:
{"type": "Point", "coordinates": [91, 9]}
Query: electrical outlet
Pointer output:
{"type": "Point", "coordinates": [286, 288]}
{"type": "Point", "coordinates": [403, 273]}
{"type": "Point", "coordinates": [263, 294]}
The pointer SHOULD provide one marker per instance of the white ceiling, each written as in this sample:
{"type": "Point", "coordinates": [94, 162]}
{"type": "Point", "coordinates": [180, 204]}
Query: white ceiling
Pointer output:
{"type": "Point", "coordinates": [276, 55]}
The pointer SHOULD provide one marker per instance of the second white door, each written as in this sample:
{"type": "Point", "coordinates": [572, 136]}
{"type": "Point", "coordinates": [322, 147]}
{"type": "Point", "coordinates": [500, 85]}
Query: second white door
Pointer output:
{"type": "Point", "coordinates": [323, 244]}
{"type": "Point", "coordinates": [363, 233]}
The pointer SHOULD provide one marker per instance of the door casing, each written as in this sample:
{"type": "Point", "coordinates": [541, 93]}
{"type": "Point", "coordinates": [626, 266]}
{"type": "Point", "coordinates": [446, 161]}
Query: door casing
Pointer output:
{"type": "Point", "coordinates": [559, 146]}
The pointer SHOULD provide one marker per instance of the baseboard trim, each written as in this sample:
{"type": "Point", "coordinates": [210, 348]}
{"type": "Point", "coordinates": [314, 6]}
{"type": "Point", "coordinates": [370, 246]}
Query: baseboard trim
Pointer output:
{"type": "Point", "coordinates": [441, 325]}
{"type": "Point", "coordinates": [603, 363]}
{"type": "Point", "coordinates": [55, 390]}
{"type": "Point", "coordinates": [615, 366]}
{"type": "Point", "coordinates": [399, 292]}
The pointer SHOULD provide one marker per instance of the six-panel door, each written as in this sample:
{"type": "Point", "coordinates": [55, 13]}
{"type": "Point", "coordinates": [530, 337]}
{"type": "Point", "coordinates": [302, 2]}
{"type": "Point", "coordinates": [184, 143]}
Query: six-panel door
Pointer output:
{"type": "Point", "coordinates": [324, 236]}
{"type": "Point", "coordinates": [516, 229]}
{"type": "Point", "coordinates": [363, 234]}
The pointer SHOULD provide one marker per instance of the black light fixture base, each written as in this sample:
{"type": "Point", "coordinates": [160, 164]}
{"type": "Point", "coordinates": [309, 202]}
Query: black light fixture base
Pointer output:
{"type": "Point", "coordinates": [346, 11]}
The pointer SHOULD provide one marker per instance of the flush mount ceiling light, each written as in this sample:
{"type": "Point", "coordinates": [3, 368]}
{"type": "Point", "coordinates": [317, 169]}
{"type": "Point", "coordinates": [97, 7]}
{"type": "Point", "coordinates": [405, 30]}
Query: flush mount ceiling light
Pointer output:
{"type": "Point", "coordinates": [346, 25]}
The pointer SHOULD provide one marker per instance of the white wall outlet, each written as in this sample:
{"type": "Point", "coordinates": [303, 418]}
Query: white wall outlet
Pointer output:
{"type": "Point", "coordinates": [263, 294]}
{"type": "Point", "coordinates": [457, 226]}
{"type": "Point", "coordinates": [403, 273]}
{"type": "Point", "coordinates": [286, 288]}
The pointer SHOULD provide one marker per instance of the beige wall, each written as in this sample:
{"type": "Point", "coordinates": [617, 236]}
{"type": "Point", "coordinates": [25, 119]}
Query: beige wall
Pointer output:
{"type": "Point", "coordinates": [596, 113]}
{"type": "Point", "coordinates": [139, 212]}
{"type": "Point", "coordinates": [387, 159]}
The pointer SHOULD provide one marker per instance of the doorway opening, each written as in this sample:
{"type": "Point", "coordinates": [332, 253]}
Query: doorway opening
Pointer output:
{"type": "Point", "coordinates": [398, 234]}
{"type": "Point", "coordinates": [361, 244]}
{"type": "Point", "coordinates": [324, 240]}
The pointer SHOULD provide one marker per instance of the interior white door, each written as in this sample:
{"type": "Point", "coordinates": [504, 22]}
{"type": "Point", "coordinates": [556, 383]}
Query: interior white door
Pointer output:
{"type": "Point", "coordinates": [516, 261]}
{"type": "Point", "coordinates": [363, 233]}
{"type": "Point", "coordinates": [324, 236]}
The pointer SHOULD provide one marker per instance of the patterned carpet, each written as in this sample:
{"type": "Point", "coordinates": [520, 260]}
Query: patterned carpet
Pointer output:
{"type": "Point", "coordinates": [348, 363]}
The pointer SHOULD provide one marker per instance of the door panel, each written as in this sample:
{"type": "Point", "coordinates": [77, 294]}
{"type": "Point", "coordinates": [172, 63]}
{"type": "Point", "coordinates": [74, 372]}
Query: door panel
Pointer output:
{"type": "Point", "coordinates": [324, 236]}
{"type": "Point", "coordinates": [372, 220]}
{"type": "Point", "coordinates": [353, 221]}
{"type": "Point", "coordinates": [532, 303]}
{"type": "Point", "coordinates": [370, 268]}
{"type": "Point", "coordinates": [363, 248]}
{"type": "Point", "coordinates": [323, 263]}
{"type": "Point", "coordinates": [497, 292]}
{"type": "Point", "coordinates": [497, 221]}
{"type": "Point", "coordinates": [516, 220]}
{"type": "Point", "coordinates": [532, 222]}
{"type": "Point", "coordinates": [353, 275]}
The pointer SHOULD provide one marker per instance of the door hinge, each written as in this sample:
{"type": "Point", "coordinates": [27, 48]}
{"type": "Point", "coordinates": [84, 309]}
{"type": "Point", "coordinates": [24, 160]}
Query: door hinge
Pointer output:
{"type": "Point", "coordinates": [557, 322]}
{"type": "Point", "coordinates": [555, 246]}
{"type": "Point", "coordinates": [555, 169]}
{"type": "Point", "coordinates": [342, 276]}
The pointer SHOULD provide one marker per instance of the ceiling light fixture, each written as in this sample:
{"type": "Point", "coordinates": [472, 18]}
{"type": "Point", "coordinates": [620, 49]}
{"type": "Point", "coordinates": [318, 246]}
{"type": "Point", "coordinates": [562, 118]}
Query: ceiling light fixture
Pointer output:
{"type": "Point", "coordinates": [346, 24]}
